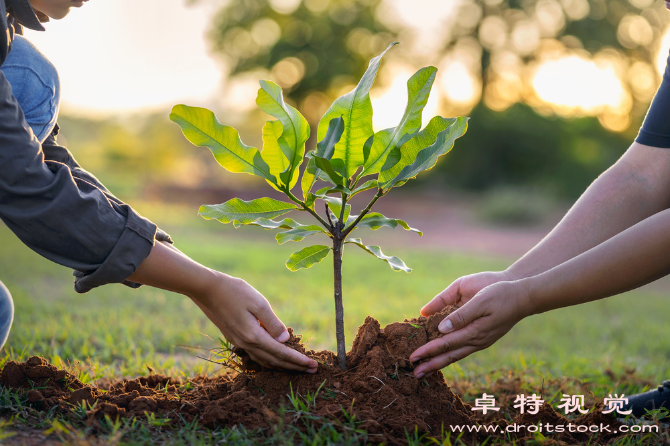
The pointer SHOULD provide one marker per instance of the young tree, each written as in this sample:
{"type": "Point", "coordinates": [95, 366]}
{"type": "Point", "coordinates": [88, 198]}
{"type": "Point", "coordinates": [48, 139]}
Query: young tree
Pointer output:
{"type": "Point", "coordinates": [347, 154]}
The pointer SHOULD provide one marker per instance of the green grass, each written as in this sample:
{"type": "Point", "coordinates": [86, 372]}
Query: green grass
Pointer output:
{"type": "Point", "coordinates": [119, 330]}
{"type": "Point", "coordinates": [115, 331]}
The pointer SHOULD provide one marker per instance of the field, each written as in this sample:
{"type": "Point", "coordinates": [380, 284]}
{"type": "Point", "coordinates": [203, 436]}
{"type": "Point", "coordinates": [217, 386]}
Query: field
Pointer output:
{"type": "Point", "coordinates": [115, 331]}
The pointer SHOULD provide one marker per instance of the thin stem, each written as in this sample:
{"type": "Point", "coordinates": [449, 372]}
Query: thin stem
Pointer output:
{"type": "Point", "coordinates": [328, 214]}
{"type": "Point", "coordinates": [339, 308]}
{"type": "Point", "coordinates": [351, 227]}
{"type": "Point", "coordinates": [341, 223]}
{"type": "Point", "coordinates": [311, 211]}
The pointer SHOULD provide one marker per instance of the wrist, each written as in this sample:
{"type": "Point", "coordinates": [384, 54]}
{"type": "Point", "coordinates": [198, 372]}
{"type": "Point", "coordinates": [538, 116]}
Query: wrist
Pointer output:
{"type": "Point", "coordinates": [208, 283]}
{"type": "Point", "coordinates": [529, 297]}
{"type": "Point", "coordinates": [512, 275]}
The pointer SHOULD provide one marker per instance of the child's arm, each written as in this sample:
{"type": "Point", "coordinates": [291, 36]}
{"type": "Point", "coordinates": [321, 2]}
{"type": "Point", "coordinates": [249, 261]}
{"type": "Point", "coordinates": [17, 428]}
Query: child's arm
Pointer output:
{"type": "Point", "coordinates": [628, 260]}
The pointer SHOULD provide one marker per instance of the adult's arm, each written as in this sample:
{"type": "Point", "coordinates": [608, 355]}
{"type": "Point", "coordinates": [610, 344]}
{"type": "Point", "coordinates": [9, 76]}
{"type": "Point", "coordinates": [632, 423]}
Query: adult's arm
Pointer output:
{"type": "Point", "coordinates": [66, 220]}
{"type": "Point", "coordinates": [234, 306]}
{"type": "Point", "coordinates": [634, 188]}
{"type": "Point", "coordinates": [628, 260]}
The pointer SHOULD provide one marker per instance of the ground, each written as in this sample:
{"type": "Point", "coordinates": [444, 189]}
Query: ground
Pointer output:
{"type": "Point", "coordinates": [114, 332]}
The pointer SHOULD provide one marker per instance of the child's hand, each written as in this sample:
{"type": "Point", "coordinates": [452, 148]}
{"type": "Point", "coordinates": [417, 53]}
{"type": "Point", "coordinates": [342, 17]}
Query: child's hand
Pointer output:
{"type": "Point", "coordinates": [238, 310]}
{"type": "Point", "coordinates": [475, 326]}
{"type": "Point", "coordinates": [462, 290]}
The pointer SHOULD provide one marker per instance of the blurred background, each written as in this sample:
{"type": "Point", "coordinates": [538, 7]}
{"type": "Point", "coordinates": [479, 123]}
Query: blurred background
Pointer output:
{"type": "Point", "coordinates": [556, 91]}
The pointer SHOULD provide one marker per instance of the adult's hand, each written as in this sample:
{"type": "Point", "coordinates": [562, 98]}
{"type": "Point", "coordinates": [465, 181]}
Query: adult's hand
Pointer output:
{"type": "Point", "coordinates": [463, 289]}
{"type": "Point", "coordinates": [479, 323]}
{"type": "Point", "coordinates": [238, 310]}
{"type": "Point", "coordinates": [234, 306]}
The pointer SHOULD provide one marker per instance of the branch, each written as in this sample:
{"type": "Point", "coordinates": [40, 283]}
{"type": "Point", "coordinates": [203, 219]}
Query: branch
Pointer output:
{"type": "Point", "coordinates": [308, 209]}
{"type": "Point", "coordinates": [351, 227]}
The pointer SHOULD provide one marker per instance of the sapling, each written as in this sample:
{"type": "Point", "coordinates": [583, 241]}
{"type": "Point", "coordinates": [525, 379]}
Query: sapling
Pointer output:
{"type": "Point", "coordinates": [349, 156]}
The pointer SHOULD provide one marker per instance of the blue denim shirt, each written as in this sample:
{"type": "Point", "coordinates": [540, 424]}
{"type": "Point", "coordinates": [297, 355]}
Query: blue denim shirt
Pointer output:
{"type": "Point", "coordinates": [55, 207]}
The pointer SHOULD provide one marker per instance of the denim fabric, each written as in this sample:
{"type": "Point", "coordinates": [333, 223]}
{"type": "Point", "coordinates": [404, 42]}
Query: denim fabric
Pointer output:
{"type": "Point", "coordinates": [6, 313]}
{"type": "Point", "coordinates": [35, 85]}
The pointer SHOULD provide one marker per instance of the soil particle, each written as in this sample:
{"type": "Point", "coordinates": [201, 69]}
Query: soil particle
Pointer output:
{"type": "Point", "coordinates": [386, 397]}
{"type": "Point", "coordinates": [143, 404]}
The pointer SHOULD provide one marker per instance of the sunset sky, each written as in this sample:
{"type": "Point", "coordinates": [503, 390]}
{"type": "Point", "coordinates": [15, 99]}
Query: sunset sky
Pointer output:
{"type": "Point", "coordinates": [121, 56]}
{"type": "Point", "coordinates": [127, 55]}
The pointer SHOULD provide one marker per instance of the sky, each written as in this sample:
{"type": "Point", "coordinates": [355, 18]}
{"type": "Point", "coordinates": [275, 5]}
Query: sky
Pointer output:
{"type": "Point", "coordinates": [119, 56]}
{"type": "Point", "coordinates": [125, 56]}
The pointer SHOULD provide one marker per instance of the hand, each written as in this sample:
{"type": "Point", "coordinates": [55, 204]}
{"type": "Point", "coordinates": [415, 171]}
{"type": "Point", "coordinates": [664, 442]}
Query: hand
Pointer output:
{"type": "Point", "coordinates": [238, 310]}
{"type": "Point", "coordinates": [475, 326]}
{"type": "Point", "coordinates": [463, 289]}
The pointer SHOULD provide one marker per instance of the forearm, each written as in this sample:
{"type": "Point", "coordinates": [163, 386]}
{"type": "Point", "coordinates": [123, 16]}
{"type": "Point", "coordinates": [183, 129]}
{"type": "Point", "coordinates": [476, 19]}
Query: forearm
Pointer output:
{"type": "Point", "coordinates": [628, 260]}
{"type": "Point", "coordinates": [630, 191]}
{"type": "Point", "coordinates": [169, 269]}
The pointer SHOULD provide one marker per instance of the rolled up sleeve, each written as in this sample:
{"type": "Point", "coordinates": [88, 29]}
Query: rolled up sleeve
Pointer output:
{"type": "Point", "coordinates": [61, 216]}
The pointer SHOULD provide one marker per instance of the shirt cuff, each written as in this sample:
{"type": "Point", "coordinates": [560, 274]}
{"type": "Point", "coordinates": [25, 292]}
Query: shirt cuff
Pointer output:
{"type": "Point", "coordinates": [132, 248]}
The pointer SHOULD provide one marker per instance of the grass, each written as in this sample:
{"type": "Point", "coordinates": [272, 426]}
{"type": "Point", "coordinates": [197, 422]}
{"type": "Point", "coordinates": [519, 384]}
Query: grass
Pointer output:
{"type": "Point", "coordinates": [114, 331]}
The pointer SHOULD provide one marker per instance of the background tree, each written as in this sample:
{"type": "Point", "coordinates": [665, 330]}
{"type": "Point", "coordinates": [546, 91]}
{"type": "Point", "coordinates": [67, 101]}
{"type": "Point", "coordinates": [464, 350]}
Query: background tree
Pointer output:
{"type": "Point", "coordinates": [312, 48]}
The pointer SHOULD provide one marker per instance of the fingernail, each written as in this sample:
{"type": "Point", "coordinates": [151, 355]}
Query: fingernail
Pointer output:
{"type": "Point", "coordinates": [284, 337]}
{"type": "Point", "coordinates": [420, 375]}
{"type": "Point", "coordinates": [414, 358]}
{"type": "Point", "coordinates": [445, 326]}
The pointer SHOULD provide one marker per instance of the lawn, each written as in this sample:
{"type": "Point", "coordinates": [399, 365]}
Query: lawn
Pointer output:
{"type": "Point", "coordinates": [115, 331]}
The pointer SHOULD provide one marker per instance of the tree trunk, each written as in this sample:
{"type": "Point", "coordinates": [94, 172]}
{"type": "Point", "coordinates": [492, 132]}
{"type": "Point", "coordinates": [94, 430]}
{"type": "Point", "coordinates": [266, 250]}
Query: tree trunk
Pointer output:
{"type": "Point", "coordinates": [339, 309]}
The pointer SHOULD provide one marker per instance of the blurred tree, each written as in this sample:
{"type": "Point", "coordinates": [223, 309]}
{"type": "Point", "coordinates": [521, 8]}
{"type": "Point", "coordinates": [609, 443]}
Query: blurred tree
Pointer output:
{"type": "Point", "coordinates": [306, 44]}
{"type": "Point", "coordinates": [491, 52]}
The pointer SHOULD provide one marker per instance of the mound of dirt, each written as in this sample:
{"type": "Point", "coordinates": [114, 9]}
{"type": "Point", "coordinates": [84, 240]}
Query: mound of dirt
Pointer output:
{"type": "Point", "coordinates": [379, 383]}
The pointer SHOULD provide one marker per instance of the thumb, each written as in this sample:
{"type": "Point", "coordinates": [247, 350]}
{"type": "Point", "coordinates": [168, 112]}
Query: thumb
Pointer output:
{"type": "Point", "coordinates": [459, 318]}
{"type": "Point", "coordinates": [449, 296]}
{"type": "Point", "coordinates": [272, 323]}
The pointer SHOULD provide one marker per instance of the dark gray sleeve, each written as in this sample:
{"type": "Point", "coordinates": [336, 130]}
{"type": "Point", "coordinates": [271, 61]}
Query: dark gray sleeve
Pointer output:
{"type": "Point", "coordinates": [55, 152]}
{"type": "Point", "coordinates": [64, 218]}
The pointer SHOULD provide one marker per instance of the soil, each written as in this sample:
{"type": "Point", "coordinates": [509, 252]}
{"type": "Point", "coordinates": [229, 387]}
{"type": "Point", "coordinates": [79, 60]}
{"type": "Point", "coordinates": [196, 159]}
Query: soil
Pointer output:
{"type": "Point", "coordinates": [379, 383]}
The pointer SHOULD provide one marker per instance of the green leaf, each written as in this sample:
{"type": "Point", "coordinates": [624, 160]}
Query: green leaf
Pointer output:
{"type": "Point", "coordinates": [299, 233]}
{"type": "Point", "coordinates": [295, 128]}
{"type": "Point", "coordinates": [324, 149]}
{"type": "Point", "coordinates": [331, 190]}
{"type": "Point", "coordinates": [335, 205]}
{"type": "Point", "coordinates": [246, 212]}
{"type": "Point", "coordinates": [421, 152]}
{"type": "Point", "coordinates": [386, 143]}
{"type": "Point", "coordinates": [202, 129]}
{"type": "Point", "coordinates": [266, 223]}
{"type": "Point", "coordinates": [307, 257]}
{"type": "Point", "coordinates": [332, 168]}
{"type": "Point", "coordinates": [375, 221]}
{"type": "Point", "coordinates": [272, 154]}
{"type": "Point", "coordinates": [395, 263]}
{"type": "Point", "coordinates": [371, 184]}
{"type": "Point", "coordinates": [355, 109]}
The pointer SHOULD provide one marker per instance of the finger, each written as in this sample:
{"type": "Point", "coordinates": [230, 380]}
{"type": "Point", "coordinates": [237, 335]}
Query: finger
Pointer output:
{"type": "Point", "coordinates": [442, 345]}
{"type": "Point", "coordinates": [443, 360]}
{"type": "Point", "coordinates": [461, 317]}
{"type": "Point", "coordinates": [449, 296]}
{"type": "Point", "coordinates": [272, 323]}
{"type": "Point", "coordinates": [279, 355]}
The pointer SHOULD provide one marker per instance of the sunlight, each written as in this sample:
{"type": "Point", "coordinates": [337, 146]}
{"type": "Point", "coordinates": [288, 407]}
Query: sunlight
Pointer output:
{"type": "Point", "coordinates": [389, 103]}
{"type": "Point", "coordinates": [111, 61]}
{"type": "Point", "coordinates": [577, 85]}
{"type": "Point", "coordinates": [664, 48]}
